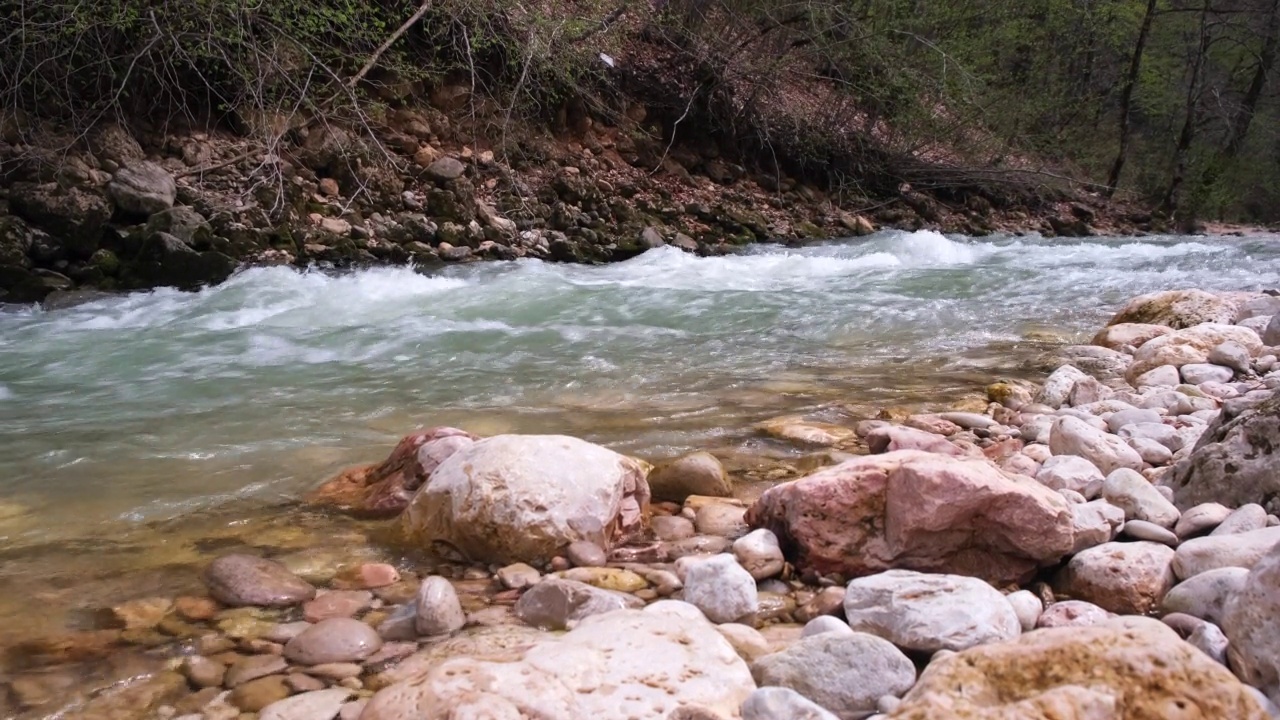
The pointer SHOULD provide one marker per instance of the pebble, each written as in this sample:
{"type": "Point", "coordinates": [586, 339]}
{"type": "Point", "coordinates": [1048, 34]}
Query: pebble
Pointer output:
{"type": "Point", "coordinates": [247, 580]}
{"type": "Point", "coordinates": [558, 604]}
{"type": "Point", "coordinates": [1143, 530]}
{"type": "Point", "coordinates": [518, 576]}
{"type": "Point", "coordinates": [586, 554]}
{"type": "Point", "coordinates": [255, 695]}
{"type": "Point", "coordinates": [301, 683]}
{"type": "Point", "coordinates": [672, 527]}
{"type": "Point", "coordinates": [1140, 500]}
{"type": "Point", "coordinates": [439, 612]}
{"type": "Point", "coordinates": [759, 553]}
{"type": "Point", "coordinates": [1027, 607]}
{"type": "Point", "coordinates": [1072, 613]}
{"type": "Point", "coordinates": [746, 640]}
{"type": "Point", "coordinates": [336, 603]}
{"type": "Point", "coordinates": [203, 672]}
{"type": "Point", "coordinates": [335, 671]}
{"type": "Point", "coordinates": [725, 521]}
{"type": "Point", "coordinates": [825, 624]}
{"type": "Point", "coordinates": [367, 576]}
{"type": "Point", "coordinates": [721, 589]}
{"type": "Point", "coordinates": [333, 641]}
{"type": "Point", "coordinates": [317, 705]}
{"type": "Point", "coordinates": [254, 667]}
{"type": "Point", "coordinates": [284, 632]}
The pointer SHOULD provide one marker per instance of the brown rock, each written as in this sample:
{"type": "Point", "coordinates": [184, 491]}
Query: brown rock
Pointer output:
{"type": "Point", "coordinates": [694, 474]}
{"type": "Point", "coordinates": [142, 614]}
{"type": "Point", "coordinates": [1127, 669]}
{"type": "Point", "coordinates": [1129, 578]}
{"type": "Point", "coordinates": [917, 511]}
{"type": "Point", "coordinates": [257, 694]}
{"type": "Point", "coordinates": [367, 576]}
{"type": "Point", "coordinates": [196, 609]}
{"type": "Point", "coordinates": [894, 438]}
{"type": "Point", "coordinates": [254, 667]}
{"type": "Point", "coordinates": [203, 672]}
{"type": "Point", "coordinates": [384, 490]}
{"type": "Point", "coordinates": [336, 603]}
{"type": "Point", "coordinates": [246, 580]}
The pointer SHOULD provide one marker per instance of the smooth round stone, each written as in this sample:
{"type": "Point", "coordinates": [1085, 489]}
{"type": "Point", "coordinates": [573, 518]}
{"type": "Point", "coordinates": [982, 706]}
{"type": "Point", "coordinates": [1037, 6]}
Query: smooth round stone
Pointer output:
{"type": "Point", "coordinates": [316, 705]}
{"type": "Point", "coordinates": [825, 624]}
{"type": "Point", "coordinates": [1072, 613]}
{"type": "Point", "coordinates": [247, 580]}
{"type": "Point", "coordinates": [1200, 518]}
{"type": "Point", "coordinates": [672, 528]}
{"type": "Point", "coordinates": [336, 640]}
{"type": "Point", "coordinates": [1243, 519]}
{"type": "Point", "coordinates": [254, 667]}
{"type": "Point", "coordinates": [721, 520]}
{"type": "Point", "coordinates": [586, 554]}
{"type": "Point", "coordinates": [1143, 530]}
{"type": "Point", "coordinates": [518, 576]}
{"type": "Point", "coordinates": [336, 603]}
{"type": "Point", "coordinates": [439, 611]}
{"type": "Point", "coordinates": [255, 695]}
{"type": "Point", "coordinates": [1027, 606]}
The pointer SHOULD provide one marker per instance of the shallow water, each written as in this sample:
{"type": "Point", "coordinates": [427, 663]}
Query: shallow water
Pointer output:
{"type": "Point", "coordinates": [165, 405]}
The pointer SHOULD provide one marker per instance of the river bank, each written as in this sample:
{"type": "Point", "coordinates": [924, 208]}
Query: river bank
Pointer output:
{"type": "Point", "coordinates": [166, 557]}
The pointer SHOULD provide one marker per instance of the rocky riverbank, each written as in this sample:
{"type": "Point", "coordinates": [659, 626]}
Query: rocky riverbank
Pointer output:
{"type": "Point", "coordinates": [109, 211]}
{"type": "Point", "coordinates": [1009, 559]}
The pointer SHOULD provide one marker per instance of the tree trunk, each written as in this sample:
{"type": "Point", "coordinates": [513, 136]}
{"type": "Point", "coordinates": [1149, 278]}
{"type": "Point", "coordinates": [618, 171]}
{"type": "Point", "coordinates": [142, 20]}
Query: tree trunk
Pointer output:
{"type": "Point", "coordinates": [1126, 97]}
{"type": "Point", "coordinates": [1249, 106]}
{"type": "Point", "coordinates": [1172, 197]}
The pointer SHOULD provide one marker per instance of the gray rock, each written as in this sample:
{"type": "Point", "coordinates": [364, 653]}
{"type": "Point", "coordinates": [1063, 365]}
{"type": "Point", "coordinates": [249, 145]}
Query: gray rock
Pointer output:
{"type": "Point", "coordinates": [1143, 530]}
{"type": "Point", "coordinates": [758, 552]}
{"type": "Point", "coordinates": [923, 612]}
{"type": "Point", "coordinates": [335, 640]}
{"type": "Point", "coordinates": [557, 604]}
{"type": "Point", "coordinates": [1250, 624]}
{"type": "Point", "coordinates": [1210, 640]}
{"type": "Point", "coordinates": [1208, 553]}
{"type": "Point", "coordinates": [1095, 523]}
{"type": "Point", "coordinates": [780, 703]}
{"type": "Point", "coordinates": [1204, 516]}
{"type": "Point", "coordinates": [1205, 596]}
{"type": "Point", "coordinates": [1058, 386]}
{"type": "Point", "coordinates": [698, 473]}
{"type": "Point", "coordinates": [1151, 452]}
{"type": "Point", "coordinates": [318, 705]}
{"type": "Point", "coordinates": [1072, 436]}
{"type": "Point", "coordinates": [1140, 500]}
{"type": "Point", "coordinates": [1163, 376]}
{"type": "Point", "coordinates": [518, 576]}
{"type": "Point", "coordinates": [401, 624]}
{"type": "Point", "coordinates": [254, 667]}
{"type": "Point", "coordinates": [1271, 336]}
{"type": "Point", "coordinates": [142, 188]}
{"type": "Point", "coordinates": [1124, 418]}
{"type": "Point", "coordinates": [1197, 373]}
{"type": "Point", "coordinates": [1027, 606]}
{"type": "Point", "coordinates": [722, 520]}
{"type": "Point", "coordinates": [825, 624]}
{"type": "Point", "coordinates": [244, 580]}
{"type": "Point", "coordinates": [1232, 355]}
{"type": "Point", "coordinates": [1245, 518]}
{"type": "Point", "coordinates": [446, 168]}
{"type": "Point", "coordinates": [1234, 461]}
{"type": "Point", "coordinates": [583, 553]}
{"type": "Point", "coordinates": [846, 674]}
{"type": "Point", "coordinates": [672, 527]}
{"type": "Point", "coordinates": [1070, 472]}
{"type": "Point", "coordinates": [1166, 435]}
{"type": "Point", "coordinates": [721, 588]}
{"type": "Point", "coordinates": [439, 612]}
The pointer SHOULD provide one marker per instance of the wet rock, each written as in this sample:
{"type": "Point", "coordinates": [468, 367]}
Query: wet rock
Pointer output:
{"type": "Point", "coordinates": [916, 611]}
{"type": "Point", "coordinates": [1071, 473]}
{"type": "Point", "coordinates": [557, 604]}
{"type": "Point", "coordinates": [1218, 551]}
{"type": "Point", "coordinates": [1176, 309]}
{"type": "Point", "coordinates": [439, 612]}
{"type": "Point", "coordinates": [780, 703]}
{"type": "Point", "coordinates": [894, 438]}
{"type": "Point", "coordinates": [1027, 607]}
{"type": "Point", "coordinates": [254, 667]}
{"type": "Point", "coordinates": [1125, 578]}
{"type": "Point", "coordinates": [672, 527]}
{"type": "Point", "coordinates": [721, 589]}
{"type": "Point", "coordinates": [1107, 452]}
{"type": "Point", "coordinates": [920, 511]}
{"type": "Point", "coordinates": [1072, 613]}
{"type": "Point", "coordinates": [142, 188]}
{"type": "Point", "coordinates": [336, 603]}
{"type": "Point", "coordinates": [141, 614]}
{"type": "Point", "coordinates": [384, 490]}
{"type": "Point", "coordinates": [243, 580]}
{"type": "Point", "coordinates": [523, 498]}
{"type": "Point", "coordinates": [1140, 500]}
{"type": "Point", "coordinates": [1128, 668]}
{"type": "Point", "coordinates": [1205, 596]}
{"type": "Point", "coordinates": [1249, 623]}
{"type": "Point", "coordinates": [519, 576]}
{"type": "Point", "coordinates": [805, 432]}
{"type": "Point", "coordinates": [333, 641]}
{"type": "Point", "coordinates": [844, 673]}
{"type": "Point", "coordinates": [586, 554]}
{"type": "Point", "coordinates": [367, 576]}
{"type": "Point", "coordinates": [1133, 335]}
{"type": "Point", "coordinates": [76, 217]}
{"type": "Point", "coordinates": [256, 695]}
{"type": "Point", "coordinates": [203, 672]}
{"type": "Point", "coordinates": [616, 666]}
{"type": "Point", "coordinates": [318, 705]}
{"type": "Point", "coordinates": [759, 553]}
{"type": "Point", "coordinates": [695, 474]}
{"type": "Point", "coordinates": [166, 260]}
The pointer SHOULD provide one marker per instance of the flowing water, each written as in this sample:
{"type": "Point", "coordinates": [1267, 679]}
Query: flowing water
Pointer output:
{"type": "Point", "coordinates": [126, 419]}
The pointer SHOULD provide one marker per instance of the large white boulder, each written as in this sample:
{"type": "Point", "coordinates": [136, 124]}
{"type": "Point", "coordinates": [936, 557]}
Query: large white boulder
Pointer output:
{"type": "Point", "coordinates": [524, 498]}
{"type": "Point", "coordinates": [919, 611]}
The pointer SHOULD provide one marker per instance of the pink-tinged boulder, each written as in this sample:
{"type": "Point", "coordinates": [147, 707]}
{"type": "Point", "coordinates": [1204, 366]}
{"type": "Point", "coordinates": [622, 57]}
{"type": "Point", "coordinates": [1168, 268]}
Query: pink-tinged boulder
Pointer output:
{"type": "Point", "coordinates": [1133, 335]}
{"type": "Point", "coordinates": [1189, 347]}
{"type": "Point", "coordinates": [384, 490]}
{"type": "Point", "coordinates": [526, 498]}
{"type": "Point", "coordinates": [896, 437]}
{"type": "Point", "coordinates": [917, 511]}
{"type": "Point", "coordinates": [1178, 309]}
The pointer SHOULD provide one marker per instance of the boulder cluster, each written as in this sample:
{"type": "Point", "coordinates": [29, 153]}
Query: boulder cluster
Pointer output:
{"type": "Point", "coordinates": [1102, 545]}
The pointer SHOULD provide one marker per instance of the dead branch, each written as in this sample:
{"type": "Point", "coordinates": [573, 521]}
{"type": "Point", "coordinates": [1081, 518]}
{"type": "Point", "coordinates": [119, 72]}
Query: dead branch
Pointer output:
{"type": "Point", "coordinates": [373, 59]}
